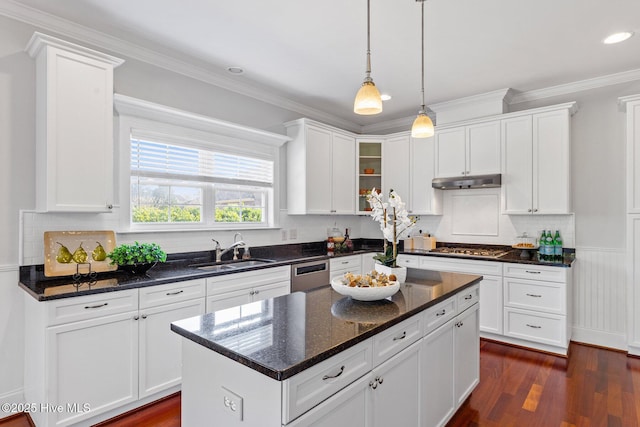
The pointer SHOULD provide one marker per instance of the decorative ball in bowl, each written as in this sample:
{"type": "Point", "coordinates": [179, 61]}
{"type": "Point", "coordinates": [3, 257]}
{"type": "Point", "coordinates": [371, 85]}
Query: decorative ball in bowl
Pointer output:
{"type": "Point", "coordinates": [356, 287]}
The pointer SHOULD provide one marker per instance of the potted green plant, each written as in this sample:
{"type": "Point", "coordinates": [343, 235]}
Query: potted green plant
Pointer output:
{"type": "Point", "coordinates": [137, 258]}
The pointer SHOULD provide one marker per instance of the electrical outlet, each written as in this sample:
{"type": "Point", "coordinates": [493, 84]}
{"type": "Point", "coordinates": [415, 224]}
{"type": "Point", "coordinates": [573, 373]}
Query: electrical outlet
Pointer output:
{"type": "Point", "coordinates": [293, 233]}
{"type": "Point", "coordinates": [232, 404]}
{"type": "Point", "coordinates": [284, 235]}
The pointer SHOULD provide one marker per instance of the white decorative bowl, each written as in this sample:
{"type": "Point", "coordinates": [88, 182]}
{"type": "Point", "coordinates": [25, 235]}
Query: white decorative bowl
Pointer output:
{"type": "Point", "coordinates": [362, 293]}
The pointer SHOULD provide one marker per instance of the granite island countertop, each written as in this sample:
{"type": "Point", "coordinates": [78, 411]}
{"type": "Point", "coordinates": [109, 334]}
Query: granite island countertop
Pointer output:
{"type": "Point", "coordinates": [283, 336]}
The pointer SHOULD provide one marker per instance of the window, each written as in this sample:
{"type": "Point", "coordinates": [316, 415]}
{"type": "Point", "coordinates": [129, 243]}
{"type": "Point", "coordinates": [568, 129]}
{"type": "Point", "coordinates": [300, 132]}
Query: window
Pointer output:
{"type": "Point", "coordinates": [172, 183]}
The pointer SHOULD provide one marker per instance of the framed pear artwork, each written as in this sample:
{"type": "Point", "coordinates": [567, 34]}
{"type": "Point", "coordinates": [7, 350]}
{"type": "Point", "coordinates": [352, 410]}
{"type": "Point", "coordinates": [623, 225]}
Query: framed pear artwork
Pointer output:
{"type": "Point", "coordinates": [69, 252]}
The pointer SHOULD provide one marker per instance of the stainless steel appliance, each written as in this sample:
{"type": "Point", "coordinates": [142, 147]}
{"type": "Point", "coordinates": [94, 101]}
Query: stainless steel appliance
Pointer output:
{"type": "Point", "coordinates": [461, 182]}
{"type": "Point", "coordinates": [478, 252]}
{"type": "Point", "coordinates": [309, 275]}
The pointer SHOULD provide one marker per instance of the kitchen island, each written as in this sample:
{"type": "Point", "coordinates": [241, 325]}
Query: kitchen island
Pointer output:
{"type": "Point", "coordinates": [318, 358]}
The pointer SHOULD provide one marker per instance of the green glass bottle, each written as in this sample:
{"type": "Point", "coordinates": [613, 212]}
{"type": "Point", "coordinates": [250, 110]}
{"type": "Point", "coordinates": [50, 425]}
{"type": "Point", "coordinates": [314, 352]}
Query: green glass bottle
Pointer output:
{"type": "Point", "coordinates": [542, 252]}
{"type": "Point", "coordinates": [549, 246]}
{"type": "Point", "coordinates": [557, 247]}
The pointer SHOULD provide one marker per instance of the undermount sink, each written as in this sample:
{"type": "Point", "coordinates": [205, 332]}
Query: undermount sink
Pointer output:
{"type": "Point", "coordinates": [234, 265]}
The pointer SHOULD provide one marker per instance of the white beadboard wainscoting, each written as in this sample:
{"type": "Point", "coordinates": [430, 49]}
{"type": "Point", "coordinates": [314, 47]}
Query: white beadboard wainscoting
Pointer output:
{"type": "Point", "coordinates": [599, 297]}
{"type": "Point", "coordinates": [11, 337]}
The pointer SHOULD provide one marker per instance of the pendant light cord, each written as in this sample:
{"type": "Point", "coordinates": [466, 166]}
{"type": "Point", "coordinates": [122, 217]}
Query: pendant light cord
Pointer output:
{"type": "Point", "coordinates": [422, 77]}
{"type": "Point", "coordinates": [368, 41]}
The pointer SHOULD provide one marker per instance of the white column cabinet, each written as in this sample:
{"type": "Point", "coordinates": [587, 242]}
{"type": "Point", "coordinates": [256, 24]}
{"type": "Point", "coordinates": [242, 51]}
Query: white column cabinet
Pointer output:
{"type": "Point", "coordinates": [318, 155]}
{"type": "Point", "coordinates": [536, 163]}
{"type": "Point", "coordinates": [466, 354]}
{"type": "Point", "coordinates": [468, 150]}
{"type": "Point", "coordinates": [74, 126]}
{"type": "Point", "coordinates": [438, 371]}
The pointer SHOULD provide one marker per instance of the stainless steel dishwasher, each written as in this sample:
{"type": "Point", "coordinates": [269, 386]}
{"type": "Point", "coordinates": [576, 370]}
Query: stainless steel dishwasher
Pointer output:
{"type": "Point", "coordinates": [309, 275]}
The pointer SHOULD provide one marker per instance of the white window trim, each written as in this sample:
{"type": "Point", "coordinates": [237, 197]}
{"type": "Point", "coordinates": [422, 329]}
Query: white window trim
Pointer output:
{"type": "Point", "coordinates": [155, 120]}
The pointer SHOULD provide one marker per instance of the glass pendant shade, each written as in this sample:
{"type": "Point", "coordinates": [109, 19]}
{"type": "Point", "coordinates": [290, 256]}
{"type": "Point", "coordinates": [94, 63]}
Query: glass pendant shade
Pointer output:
{"type": "Point", "coordinates": [368, 100]}
{"type": "Point", "coordinates": [422, 126]}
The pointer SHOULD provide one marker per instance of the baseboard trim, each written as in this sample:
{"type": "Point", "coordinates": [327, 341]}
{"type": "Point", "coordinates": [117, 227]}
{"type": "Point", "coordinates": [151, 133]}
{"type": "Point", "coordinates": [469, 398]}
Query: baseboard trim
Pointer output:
{"type": "Point", "coordinates": [599, 338]}
{"type": "Point", "coordinates": [13, 396]}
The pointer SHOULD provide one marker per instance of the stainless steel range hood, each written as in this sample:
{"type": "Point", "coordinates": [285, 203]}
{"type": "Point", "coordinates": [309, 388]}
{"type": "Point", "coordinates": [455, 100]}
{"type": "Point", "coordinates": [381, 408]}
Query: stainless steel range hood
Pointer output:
{"type": "Point", "coordinates": [463, 182]}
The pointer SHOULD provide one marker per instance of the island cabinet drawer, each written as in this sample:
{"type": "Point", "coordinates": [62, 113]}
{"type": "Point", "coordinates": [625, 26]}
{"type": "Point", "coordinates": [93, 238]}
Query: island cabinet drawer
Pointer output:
{"type": "Point", "coordinates": [539, 327]}
{"type": "Point", "coordinates": [468, 297]}
{"type": "Point", "coordinates": [439, 314]}
{"type": "Point", "coordinates": [549, 297]}
{"type": "Point", "coordinates": [310, 387]}
{"type": "Point", "coordinates": [247, 279]}
{"type": "Point", "coordinates": [153, 296]}
{"type": "Point", "coordinates": [91, 306]}
{"type": "Point", "coordinates": [396, 338]}
{"type": "Point", "coordinates": [350, 263]}
{"type": "Point", "coordinates": [412, 261]}
{"type": "Point", "coordinates": [536, 272]}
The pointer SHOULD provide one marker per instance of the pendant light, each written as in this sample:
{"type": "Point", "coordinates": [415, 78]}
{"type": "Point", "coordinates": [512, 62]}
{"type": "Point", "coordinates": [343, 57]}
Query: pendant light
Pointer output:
{"type": "Point", "coordinates": [422, 125]}
{"type": "Point", "coordinates": [368, 99]}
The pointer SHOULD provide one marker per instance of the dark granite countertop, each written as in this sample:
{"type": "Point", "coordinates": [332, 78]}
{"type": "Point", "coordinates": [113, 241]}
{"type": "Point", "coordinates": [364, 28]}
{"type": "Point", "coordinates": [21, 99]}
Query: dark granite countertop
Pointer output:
{"type": "Point", "coordinates": [283, 336]}
{"type": "Point", "coordinates": [179, 268]}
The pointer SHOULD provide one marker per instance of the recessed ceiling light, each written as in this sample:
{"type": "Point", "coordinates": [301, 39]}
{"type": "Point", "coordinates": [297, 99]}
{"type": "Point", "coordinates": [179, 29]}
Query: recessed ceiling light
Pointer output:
{"type": "Point", "coordinates": [618, 37]}
{"type": "Point", "coordinates": [385, 97]}
{"type": "Point", "coordinates": [235, 70]}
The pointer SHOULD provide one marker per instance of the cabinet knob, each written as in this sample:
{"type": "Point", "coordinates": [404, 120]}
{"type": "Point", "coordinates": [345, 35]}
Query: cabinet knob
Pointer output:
{"type": "Point", "coordinates": [535, 210]}
{"type": "Point", "coordinates": [256, 292]}
{"type": "Point", "coordinates": [462, 173]}
{"type": "Point", "coordinates": [144, 316]}
{"type": "Point", "coordinates": [136, 317]}
{"type": "Point", "coordinates": [528, 210]}
{"type": "Point", "coordinates": [109, 206]}
{"type": "Point", "coordinates": [251, 292]}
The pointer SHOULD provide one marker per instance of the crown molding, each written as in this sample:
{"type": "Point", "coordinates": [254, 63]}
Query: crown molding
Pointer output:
{"type": "Point", "coordinates": [573, 87]}
{"type": "Point", "coordinates": [66, 28]}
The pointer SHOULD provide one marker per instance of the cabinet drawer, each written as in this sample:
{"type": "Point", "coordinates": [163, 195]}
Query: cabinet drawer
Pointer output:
{"type": "Point", "coordinates": [412, 261]}
{"type": "Point", "coordinates": [439, 314]}
{"type": "Point", "coordinates": [469, 266]}
{"type": "Point", "coordinates": [349, 263]}
{"type": "Point", "coordinates": [91, 306]}
{"type": "Point", "coordinates": [153, 296]}
{"type": "Point", "coordinates": [247, 279]}
{"type": "Point", "coordinates": [536, 272]}
{"type": "Point", "coordinates": [308, 388]}
{"type": "Point", "coordinates": [396, 338]}
{"type": "Point", "coordinates": [534, 326]}
{"type": "Point", "coordinates": [549, 297]}
{"type": "Point", "coordinates": [468, 297]}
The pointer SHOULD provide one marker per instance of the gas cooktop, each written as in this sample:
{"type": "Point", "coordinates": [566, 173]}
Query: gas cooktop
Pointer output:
{"type": "Point", "coordinates": [470, 251]}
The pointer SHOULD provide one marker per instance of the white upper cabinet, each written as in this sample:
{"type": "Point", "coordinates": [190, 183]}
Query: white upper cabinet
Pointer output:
{"type": "Point", "coordinates": [408, 168]}
{"type": "Point", "coordinates": [74, 126]}
{"type": "Point", "coordinates": [468, 150]}
{"type": "Point", "coordinates": [536, 162]}
{"type": "Point", "coordinates": [320, 169]}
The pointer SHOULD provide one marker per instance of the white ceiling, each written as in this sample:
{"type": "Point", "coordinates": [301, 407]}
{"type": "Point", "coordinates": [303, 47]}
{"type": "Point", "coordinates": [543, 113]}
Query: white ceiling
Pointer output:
{"type": "Point", "coordinates": [313, 53]}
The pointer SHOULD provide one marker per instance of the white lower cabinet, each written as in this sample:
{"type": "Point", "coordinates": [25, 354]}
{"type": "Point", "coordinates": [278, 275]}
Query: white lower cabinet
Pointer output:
{"type": "Point", "coordinates": [96, 354]}
{"type": "Point", "coordinates": [232, 290]}
{"type": "Point", "coordinates": [345, 264]}
{"type": "Point", "coordinates": [466, 354]}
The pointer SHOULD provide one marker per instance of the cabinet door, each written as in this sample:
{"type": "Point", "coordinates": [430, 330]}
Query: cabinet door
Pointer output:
{"type": "Point", "coordinates": [517, 171]}
{"type": "Point", "coordinates": [343, 175]}
{"type": "Point", "coordinates": [318, 167]}
{"type": "Point", "coordinates": [450, 152]}
{"type": "Point", "coordinates": [491, 302]}
{"type": "Point", "coordinates": [272, 290]}
{"type": "Point", "coordinates": [466, 354]}
{"type": "Point", "coordinates": [395, 390]}
{"type": "Point", "coordinates": [483, 148]}
{"type": "Point", "coordinates": [95, 362]}
{"type": "Point", "coordinates": [160, 364]}
{"type": "Point", "coordinates": [436, 376]}
{"type": "Point", "coordinates": [396, 169]}
{"type": "Point", "coordinates": [423, 198]}
{"type": "Point", "coordinates": [551, 163]}
{"type": "Point", "coordinates": [348, 408]}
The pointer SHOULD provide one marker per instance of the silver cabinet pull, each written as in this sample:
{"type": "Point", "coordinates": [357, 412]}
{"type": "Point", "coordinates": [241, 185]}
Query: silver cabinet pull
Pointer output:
{"type": "Point", "coordinates": [533, 272]}
{"type": "Point", "coordinates": [109, 206]}
{"type": "Point", "coordinates": [373, 384]}
{"type": "Point", "coordinates": [401, 337]}
{"type": "Point", "coordinates": [534, 326]}
{"type": "Point", "coordinates": [327, 377]}
{"type": "Point", "coordinates": [251, 292]}
{"type": "Point", "coordinates": [534, 295]}
{"type": "Point", "coordinates": [87, 307]}
{"type": "Point", "coordinates": [535, 210]}
{"type": "Point", "coordinates": [345, 262]}
{"type": "Point", "coordinates": [144, 316]}
{"type": "Point", "coordinates": [380, 380]}
{"type": "Point", "coordinates": [136, 317]}
{"type": "Point", "coordinates": [441, 313]}
{"type": "Point", "coordinates": [468, 297]}
{"type": "Point", "coordinates": [175, 293]}
{"type": "Point", "coordinates": [256, 292]}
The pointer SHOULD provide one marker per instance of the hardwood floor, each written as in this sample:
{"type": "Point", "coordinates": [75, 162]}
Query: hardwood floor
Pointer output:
{"type": "Point", "coordinates": [594, 387]}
